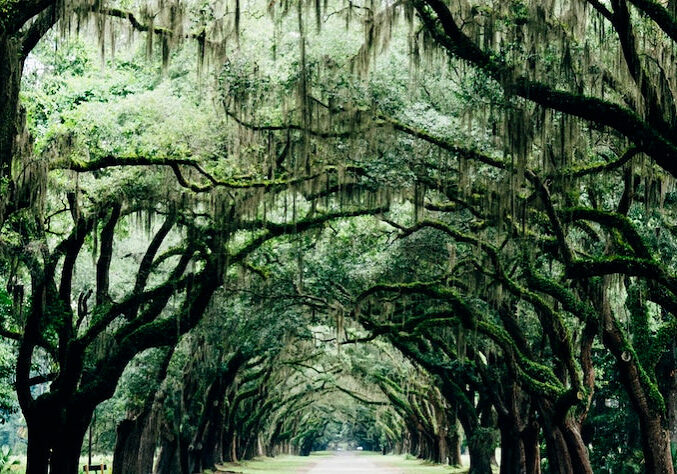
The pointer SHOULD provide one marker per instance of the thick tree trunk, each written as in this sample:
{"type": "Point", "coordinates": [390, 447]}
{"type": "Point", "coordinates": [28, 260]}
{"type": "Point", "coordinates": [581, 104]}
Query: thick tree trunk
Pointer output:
{"type": "Point", "coordinates": [559, 459]}
{"type": "Point", "coordinates": [212, 447]}
{"type": "Point", "coordinates": [532, 449]}
{"type": "Point", "coordinates": [168, 459]}
{"type": "Point", "coordinates": [66, 452]}
{"type": "Point", "coordinates": [513, 460]}
{"type": "Point", "coordinates": [185, 458]}
{"type": "Point", "coordinates": [520, 451]}
{"type": "Point", "coordinates": [442, 448]}
{"type": "Point", "coordinates": [577, 448]}
{"type": "Point", "coordinates": [567, 453]}
{"type": "Point", "coordinates": [307, 446]}
{"type": "Point", "coordinates": [671, 401]}
{"type": "Point", "coordinates": [136, 442]}
{"type": "Point", "coordinates": [55, 438]}
{"type": "Point", "coordinates": [454, 446]}
{"type": "Point", "coordinates": [213, 419]}
{"type": "Point", "coordinates": [11, 68]}
{"type": "Point", "coordinates": [416, 442]}
{"type": "Point", "coordinates": [653, 423]}
{"type": "Point", "coordinates": [137, 438]}
{"type": "Point", "coordinates": [148, 441]}
{"type": "Point", "coordinates": [481, 449]}
{"type": "Point", "coordinates": [127, 445]}
{"type": "Point", "coordinates": [656, 445]}
{"type": "Point", "coordinates": [37, 454]}
{"type": "Point", "coordinates": [578, 453]}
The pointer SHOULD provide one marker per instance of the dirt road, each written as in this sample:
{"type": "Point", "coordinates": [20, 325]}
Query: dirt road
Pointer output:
{"type": "Point", "coordinates": [350, 463]}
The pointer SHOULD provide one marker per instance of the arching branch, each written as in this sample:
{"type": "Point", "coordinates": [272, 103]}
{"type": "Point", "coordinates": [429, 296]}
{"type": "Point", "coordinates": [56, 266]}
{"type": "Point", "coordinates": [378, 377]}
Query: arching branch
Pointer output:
{"type": "Point", "coordinates": [441, 24]}
{"type": "Point", "coordinates": [658, 13]}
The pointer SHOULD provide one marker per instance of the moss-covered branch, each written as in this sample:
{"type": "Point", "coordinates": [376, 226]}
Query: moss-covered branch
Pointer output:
{"type": "Point", "coordinates": [658, 13]}
{"type": "Point", "coordinates": [441, 24]}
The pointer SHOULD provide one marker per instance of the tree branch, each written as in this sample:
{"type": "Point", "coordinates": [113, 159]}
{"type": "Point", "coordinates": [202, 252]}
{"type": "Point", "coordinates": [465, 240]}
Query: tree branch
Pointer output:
{"type": "Point", "coordinates": [441, 24]}
{"type": "Point", "coordinates": [659, 14]}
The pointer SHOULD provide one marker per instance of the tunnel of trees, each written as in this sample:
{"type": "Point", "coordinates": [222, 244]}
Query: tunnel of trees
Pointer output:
{"type": "Point", "coordinates": [240, 228]}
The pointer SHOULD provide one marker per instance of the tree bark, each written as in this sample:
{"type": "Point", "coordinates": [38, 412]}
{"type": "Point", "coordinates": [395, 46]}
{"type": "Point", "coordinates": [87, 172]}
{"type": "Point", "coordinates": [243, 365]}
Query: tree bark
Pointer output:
{"type": "Point", "coordinates": [136, 442]}
{"type": "Point", "coordinates": [566, 450]}
{"type": "Point", "coordinates": [481, 449]}
{"type": "Point", "coordinates": [11, 70]}
{"type": "Point", "coordinates": [126, 445]}
{"type": "Point", "coordinates": [655, 435]}
{"type": "Point", "coordinates": [214, 416]}
{"type": "Point", "coordinates": [66, 452]}
{"type": "Point", "coordinates": [37, 453]}
{"type": "Point", "coordinates": [442, 448]}
{"type": "Point", "coordinates": [513, 459]}
{"type": "Point", "coordinates": [55, 438]}
{"type": "Point", "coordinates": [137, 438]}
{"type": "Point", "coordinates": [168, 459]}
{"type": "Point", "coordinates": [454, 443]}
{"type": "Point", "coordinates": [671, 379]}
{"type": "Point", "coordinates": [532, 448]}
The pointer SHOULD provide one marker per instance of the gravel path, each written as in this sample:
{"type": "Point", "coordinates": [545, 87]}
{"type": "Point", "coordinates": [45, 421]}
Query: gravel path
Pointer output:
{"type": "Point", "coordinates": [351, 464]}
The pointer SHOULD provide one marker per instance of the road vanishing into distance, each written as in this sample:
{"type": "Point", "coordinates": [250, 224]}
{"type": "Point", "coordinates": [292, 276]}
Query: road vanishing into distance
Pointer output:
{"type": "Point", "coordinates": [350, 463]}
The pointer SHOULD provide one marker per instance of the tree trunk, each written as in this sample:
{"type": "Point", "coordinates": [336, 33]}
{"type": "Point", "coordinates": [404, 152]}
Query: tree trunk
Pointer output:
{"type": "Point", "coordinates": [213, 419]}
{"type": "Point", "coordinates": [66, 452]}
{"type": "Point", "coordinates": [567, 453]}
{"type": "Point", "coordinates": [559, 459]}
{"type": "Point", "coordinates": [513, 459]}
{"type": "Point", "coordinates": [672, 394]}
{"type": "Point", "coordinates": [454, 444]}
{"type": "Point", "coordinates": [655, 435]}
{"type": "Point", "coordinates": [532, 449]}
{"type": "Point", "coordinates": [577, 450]}
{"type": "Point", "coordinates": [442, 448]}
{"type": "Point", "coordinates": [135, 445]}
{"type": "Point", "coordinates": [148, 441]}
{"type": "Point", "coordinates": [520, 450]}
{"type": "Point", "coordinates": [127, 445]}
{"type": "Point", "coordinates": [656, 445]}
{"type": "Point", "coordinates": [212, 447]}
{"type": "Point", "coordinates": [566, 450]}
{"type": "Point", "coordinates": [37, 454]}
{"type": "Point", "coordinates": [185, 452]}
{"type": "Point", "coordinates": [11, 69]}
{"type": "Point", "coordinates": [481, 449]}
{"type": "Point", "coordinates": [137, 438]}
{"type": "Point", "coordinates": [168, 459]}
{"type": "Point", "coordinates": [55, 438]}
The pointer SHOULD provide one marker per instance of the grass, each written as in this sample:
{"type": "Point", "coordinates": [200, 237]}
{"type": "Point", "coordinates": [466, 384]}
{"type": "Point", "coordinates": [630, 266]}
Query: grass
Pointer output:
{"type": "Point", "coordinates": [96, 459]}
{"type": "Point", "coordinates": [278, 464]}
{"type": "Point", "coordinates": [298, 464]}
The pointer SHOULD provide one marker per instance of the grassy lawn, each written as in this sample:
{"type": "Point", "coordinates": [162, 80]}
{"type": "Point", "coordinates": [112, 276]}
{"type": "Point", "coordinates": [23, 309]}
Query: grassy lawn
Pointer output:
{"type": "Point", "coordinates": [278, 464]}
{"type": "Point", "coordinates": [96, 459]}
{"type": "Point", "coordinates": [298, 464]}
